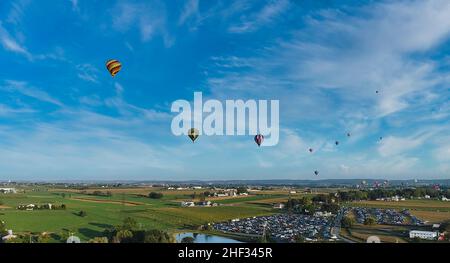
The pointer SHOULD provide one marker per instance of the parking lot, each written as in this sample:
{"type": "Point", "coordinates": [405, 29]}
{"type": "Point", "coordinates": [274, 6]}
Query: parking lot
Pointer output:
{"type": "Point", "coordinates": [282, 227]}
{"type": "Point", "coordinates": [385, 216]}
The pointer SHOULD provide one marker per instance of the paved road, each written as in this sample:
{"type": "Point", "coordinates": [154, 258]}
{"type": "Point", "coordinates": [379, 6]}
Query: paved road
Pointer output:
{"type": "Point", "coordinates": [337, 227]}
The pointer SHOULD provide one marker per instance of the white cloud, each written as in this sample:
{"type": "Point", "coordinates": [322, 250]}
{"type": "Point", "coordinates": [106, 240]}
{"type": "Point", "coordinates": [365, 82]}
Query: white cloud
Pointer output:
{"type": "Point", "coordinates": [87, 72]}
{"type": "Point", "coordinates": [75, 6]}
{"type": "Point", "coordinates": [191, 9]}
{"type": "Point", "coordinates": [27, 90]}
{"type": "Point", "coordinates": [392, 145]}
{"type": "Point", "coordinates": [149, 18]}
{"type": "Point", "coordinates": [7, 111]}
{"type": "Point", "coordinates": [10, 44]}
{"type": "Point", "coordinates": [265, 16]}
{"type": "Point", "coordinates": [17, 11]}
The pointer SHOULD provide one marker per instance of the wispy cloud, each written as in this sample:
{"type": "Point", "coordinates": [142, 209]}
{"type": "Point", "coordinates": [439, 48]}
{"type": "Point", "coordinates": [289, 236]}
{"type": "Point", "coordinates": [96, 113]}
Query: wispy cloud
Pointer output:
{"type": "Point", "coordinates": [27, 90]}
{"type": "Point", "coordinates": [7, 111]}
{"type": "Point", "coordinates": [11, 44]}
{"type": "Point", "coordinates": [75, 6]}
{"type": "Point", "coordinates": [17, 11]}
{"type": "Point", "coordinates": [149, 18]}
{"type": "Point", "coordinates": [271, 11]}
{"type": "Point", "coordinates": [191, 9]}
{"type": "Point", "coordinates": [87, 72]}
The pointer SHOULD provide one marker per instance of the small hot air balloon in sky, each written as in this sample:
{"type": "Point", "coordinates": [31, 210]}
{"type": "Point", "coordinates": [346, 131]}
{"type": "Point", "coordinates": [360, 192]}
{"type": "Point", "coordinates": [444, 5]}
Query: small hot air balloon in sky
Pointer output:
{"type": "Point", "coordinates": [113, 66]}
{"type": "Point", "coordinates": [377, 92]}
{"type": "Point", "coordinates": [348, 134]}
{"type": "Point", "coordinates": [311, 150]}
{"type": "Point", "coordinates": [337, 143]}
{"type": "Point", "coordinates": [193, 134]}
{"type": "Point", "coordinates": [381, 138]}
{"type": "Point", "coordinates": [259, 139]}
{"type": "Point", "coordinates": [316, 172]}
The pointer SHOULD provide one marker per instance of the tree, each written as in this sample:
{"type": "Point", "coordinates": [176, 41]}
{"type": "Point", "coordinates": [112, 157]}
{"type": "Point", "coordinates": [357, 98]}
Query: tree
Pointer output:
{"type": "Point", "coordinates": [82, 213]}
{"type": "Point", "coordinates": [157, 236]}
{"type": "Point", "coordinates": [242, 190]}
{"type": "Point", "coordinates": [369, 221]}
{"type": "Point", "coordinates": [155, 195]}
{"type": "Point", "coordinates": [3, 230]}
{"type": "Point", "coordinates": [43, 238]}
{"type": "Point", "coordinates": [63, 195]}
{"type": "Point", "coordinates": [124, 236]}
{"type": "Point", "coordinates": [347, 222]}
{"type": "Point", "coordinates": [299, 239]}
{"type": "Point", "coordinates": [129, 223]}
{"type": "Point", "coordinates": [189, 240]}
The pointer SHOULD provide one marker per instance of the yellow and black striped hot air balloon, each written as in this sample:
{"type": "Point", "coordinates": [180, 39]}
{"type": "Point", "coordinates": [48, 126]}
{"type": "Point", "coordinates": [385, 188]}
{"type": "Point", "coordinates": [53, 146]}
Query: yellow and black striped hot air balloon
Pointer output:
{"type": "Point", "coordinates": [113, 66]}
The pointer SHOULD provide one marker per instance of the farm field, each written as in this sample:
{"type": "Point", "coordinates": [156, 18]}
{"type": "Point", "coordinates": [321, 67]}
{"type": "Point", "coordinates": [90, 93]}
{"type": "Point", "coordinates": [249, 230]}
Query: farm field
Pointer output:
{"type": "Point", "coordinates": [103, 212]}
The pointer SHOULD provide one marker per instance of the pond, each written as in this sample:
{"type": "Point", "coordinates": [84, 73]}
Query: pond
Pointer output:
{"type": "Point", "coordinates": [205, 238]}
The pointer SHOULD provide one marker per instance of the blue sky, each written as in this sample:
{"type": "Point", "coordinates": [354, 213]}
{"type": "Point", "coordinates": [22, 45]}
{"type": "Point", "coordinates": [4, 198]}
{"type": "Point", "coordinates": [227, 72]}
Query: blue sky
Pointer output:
{"type": "Point", "coordinates": [63, 117]}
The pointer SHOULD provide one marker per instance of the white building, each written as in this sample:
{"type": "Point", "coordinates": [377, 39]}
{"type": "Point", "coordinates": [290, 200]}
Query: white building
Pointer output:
{"type": "Point", "coordinates": [8, 190]}
{"type": "Point", "coordinates": [187, 204]}
{"type": "Point", "coordinates": [9, 236]}
{"type": "Point", "coordinates": [278, 206]}
{"type": "Point", "coordinates": [423, 234]}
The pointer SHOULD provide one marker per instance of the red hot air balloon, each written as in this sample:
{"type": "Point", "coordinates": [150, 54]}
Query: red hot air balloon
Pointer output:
{"type": "Point", "coordinates": [259, 139]}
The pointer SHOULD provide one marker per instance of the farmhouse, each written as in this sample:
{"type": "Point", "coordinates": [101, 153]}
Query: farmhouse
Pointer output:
{"type": "Point", "coordinates": [278, 206]}
{"type": "Point", "coordinates": [8, 190]}
{"type": "Point", "coordinates": [187, 204]}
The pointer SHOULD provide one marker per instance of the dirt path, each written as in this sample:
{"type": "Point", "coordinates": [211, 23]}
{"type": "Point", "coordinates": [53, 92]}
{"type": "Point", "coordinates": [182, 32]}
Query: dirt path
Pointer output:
{"type": "Point", "coordinates": [126, 203]}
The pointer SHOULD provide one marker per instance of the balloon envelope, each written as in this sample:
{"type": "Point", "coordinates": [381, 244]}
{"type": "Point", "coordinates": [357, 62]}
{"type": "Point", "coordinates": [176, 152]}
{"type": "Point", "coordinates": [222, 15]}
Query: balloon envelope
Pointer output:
{"type": "Point", "coordinates": [259, 139]}
{"type": "Point", "coordinates": [193, 134]}
{"type": "Point", "coordinates": [113, 66]}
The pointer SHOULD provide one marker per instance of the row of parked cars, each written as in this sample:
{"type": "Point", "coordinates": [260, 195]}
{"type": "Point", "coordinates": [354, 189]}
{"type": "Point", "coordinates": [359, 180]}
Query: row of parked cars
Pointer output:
{"type": "Point", "coordinates": [281, 227]}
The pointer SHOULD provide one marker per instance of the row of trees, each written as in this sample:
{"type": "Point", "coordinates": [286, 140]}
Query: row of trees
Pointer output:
{"type": "Point", "coordinates": [129, 232]}
{"type": "Point", "coordinates": [44, 207]}
{"type": "Point", "coordinates": [155, 195]}
{"type": "Point", "coordinates": [357, 195]}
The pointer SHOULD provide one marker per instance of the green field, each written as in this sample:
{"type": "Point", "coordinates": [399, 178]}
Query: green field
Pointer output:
{"type": "Point", "coordinates": [104, 212]}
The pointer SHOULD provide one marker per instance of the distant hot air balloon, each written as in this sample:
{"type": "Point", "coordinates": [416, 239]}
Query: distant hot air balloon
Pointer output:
{"type": "Point", "coordinates": [377, 92]}
{"type": "Point", "coordinates": [311, 150]}
{"type": "Point", "coordinates": [113, 66]}
{"type": "Point", "coordinates": [348, 135]}
{"type": "Point", "coordinates": [193, 134]}
{"type": "Point", "coordinates": [259, 139]}
{"type": "Point", "coordinates": [381, 138]}
{"type": "Point", "coordinates": [337, 142]}
{"type": "Point", "coordinates": [316, 172]}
